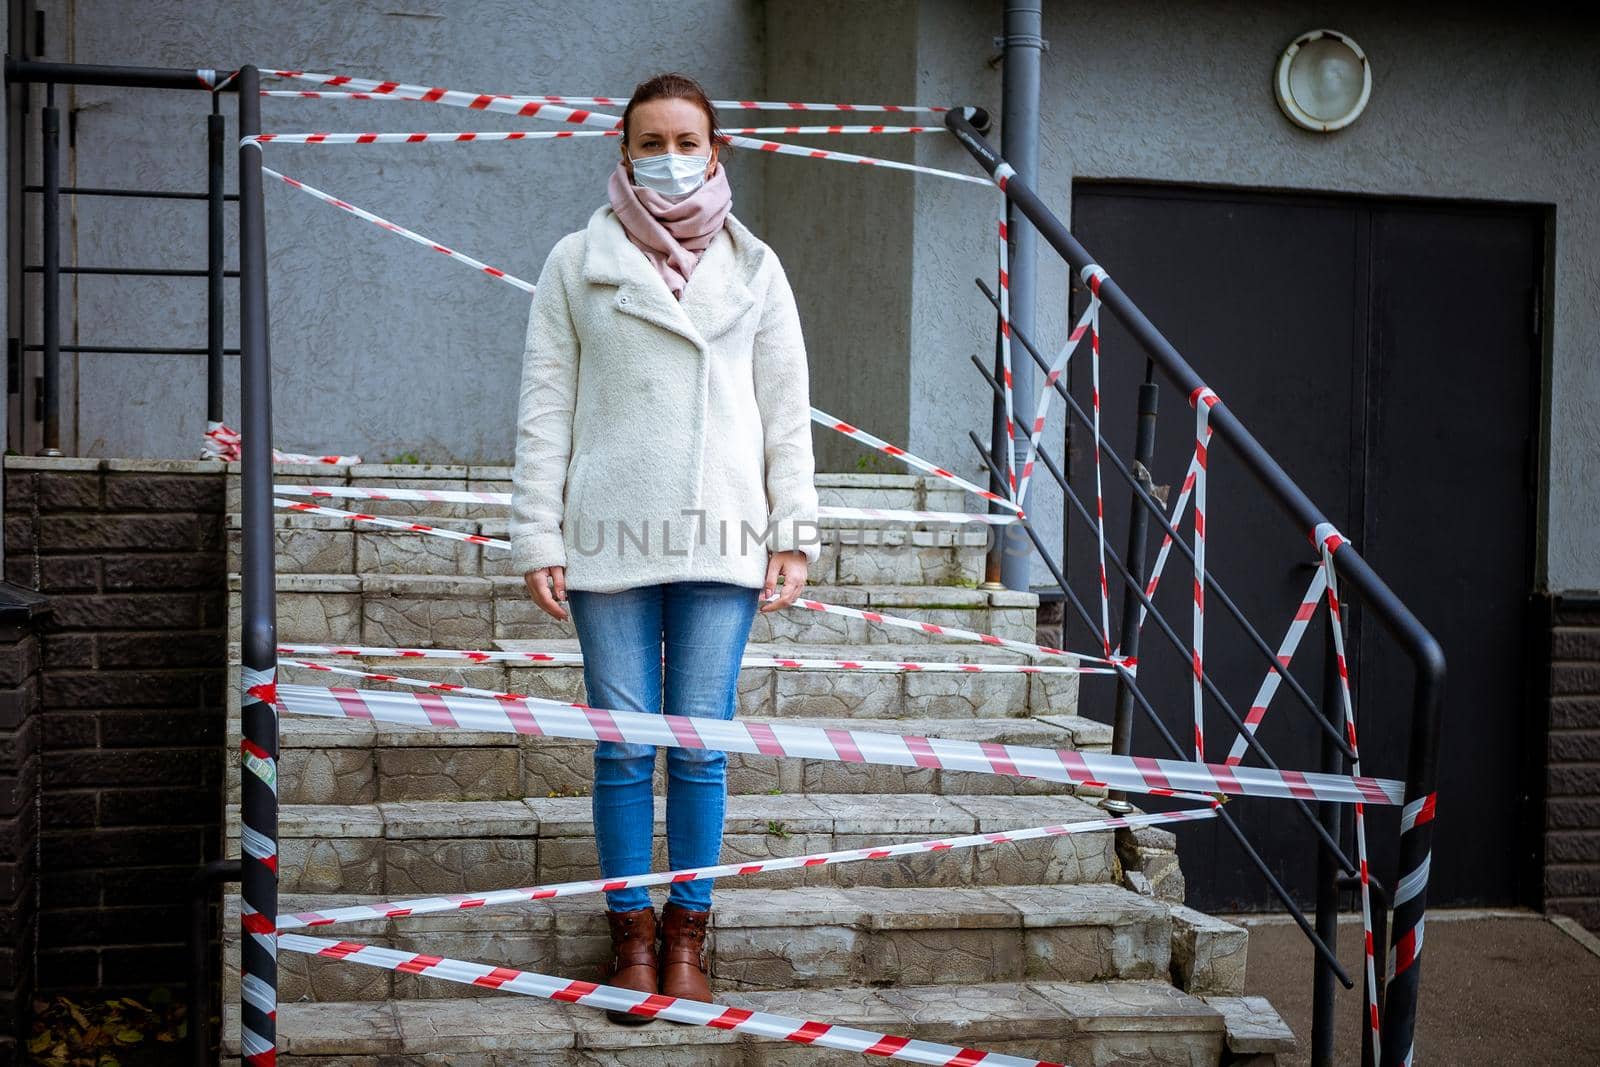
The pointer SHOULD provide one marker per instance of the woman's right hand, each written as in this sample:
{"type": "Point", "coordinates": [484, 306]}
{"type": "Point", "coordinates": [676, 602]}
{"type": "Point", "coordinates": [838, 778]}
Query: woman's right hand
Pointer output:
{"type": "Point", "coordinates": [539, 588]}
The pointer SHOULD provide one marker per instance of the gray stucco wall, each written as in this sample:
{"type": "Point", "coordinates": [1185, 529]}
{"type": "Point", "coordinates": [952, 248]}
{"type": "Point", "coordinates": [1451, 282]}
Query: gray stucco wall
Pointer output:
{"type": "Point", "coordinates": [1486, 103]}
{"type": "Point", "coordinates": [384, 350]}
{"type": "Point", "coordinates": [378, 347]}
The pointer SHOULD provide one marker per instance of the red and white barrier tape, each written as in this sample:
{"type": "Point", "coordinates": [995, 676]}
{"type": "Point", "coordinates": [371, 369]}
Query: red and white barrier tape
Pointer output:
{"type": "Point", "coordinates": [1093, 275]}
{"type": "Point", "coordinates": [876, 617]}
{"type": "Point", "coordinates": [1329, 539]}
{"type": "Point", "coordinates": [654, 1005]}
{"type": "Point", "coordinates": [426, 137]}
{"type": "Point", "coordinates": [1203, 399]}
{"type": "Point", "coordinates": [400, 909]}
{"type": "Point", "coordinates": [553, 718]}
{"type": "Point", "coordinates": [583, 116]}
{"type": "Point", "coordinates": [570, 659]}
{"type": "Point", "coordinates": [1286, 651]}
{"type": "Point", "coordinates": [1047, 392]}
{"type": "Point", "coordinates": [855, 433]}
{"type": "Point", "coordinates": [393, 524]}
{"type": "Point", "coordinates": [410, 235]}
{"type": "Point", "coordinates": [472, 496]}
{"type": "Point", "coordinates": [612, 101]}
{"type": "Point", "coordinates": [1005, 356]}
{"type": "Point", "coordinates": [1173, 520]}
{"type": "Point", "coordinates": [221, 442]}
{"type": "Point", "coordinates": [493, 136]}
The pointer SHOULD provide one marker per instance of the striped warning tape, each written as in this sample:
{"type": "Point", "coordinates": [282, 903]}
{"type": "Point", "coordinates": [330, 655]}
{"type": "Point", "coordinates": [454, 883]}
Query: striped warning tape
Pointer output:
{"type": "Point", "coordinates": [1329, 539]}
{"type": "Point", "coordinates": [612, 101]}
{"type": "Point", "coordinates": [502, 136]}
{"type": "Point", "coordinates": [653, 1005]}
{"type": "Point", "coordinates": [1047, 393]}
{"type": "Point", "coordinates": [410, 235]}
{"type": "Point", "coordinates": [1286, 651]}
{"type": "Point", "coordinates": [555, 658]}
{"type": "Point", "coordinates": [1202, 399]}
{"type": "Point", "coordinates": [478, 496]}
{"type": "Point", "coordinates": [537, 716]}
{"type": "Point", "coordinates": [460, 137]}
{"type": "Point", "coordinates": [1092, 276]}
{"type": "Point", "coordinates": [876, 617]}
{"type": "Point", "coordinates": [1004, 287]}
{"type": "Point", "coordinates": [855, 433]}
{"type": "Point", "coordinates": [392, 524]}
{"type": "Point", "coordinates": [400, 909]}
{"type": "Point", "coordinates": [583, 116]}
{"type": "Point", "coordinates": [1178, 510]}
{"type": "Point", "coordinates": [222, 442]}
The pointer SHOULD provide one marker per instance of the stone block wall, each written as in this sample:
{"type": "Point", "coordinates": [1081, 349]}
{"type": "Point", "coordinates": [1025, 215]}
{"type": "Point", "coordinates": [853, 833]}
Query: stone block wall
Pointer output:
{"type": "Point", "coordinates": [133, 720]}
{"type": "Point", "coordinates": [1572, 808]}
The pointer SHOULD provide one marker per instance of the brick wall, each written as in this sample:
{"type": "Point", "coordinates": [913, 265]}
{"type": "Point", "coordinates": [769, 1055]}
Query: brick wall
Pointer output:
{"type": "Point", "coordinates": [20, 733]}
{"type": "Point", "coordinates": [1572, 814]}
{"type": "Point", "coordinates": [131, 554]}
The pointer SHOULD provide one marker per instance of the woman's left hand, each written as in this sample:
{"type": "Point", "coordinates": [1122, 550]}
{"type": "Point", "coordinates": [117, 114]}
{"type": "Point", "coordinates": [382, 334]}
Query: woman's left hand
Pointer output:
{"type": "Point", "coordinates": [790, 564]}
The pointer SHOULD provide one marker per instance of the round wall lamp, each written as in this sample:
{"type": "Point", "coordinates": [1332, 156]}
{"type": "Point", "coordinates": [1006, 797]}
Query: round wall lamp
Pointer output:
{"type": "Point", "coordinates": [1324, 81]}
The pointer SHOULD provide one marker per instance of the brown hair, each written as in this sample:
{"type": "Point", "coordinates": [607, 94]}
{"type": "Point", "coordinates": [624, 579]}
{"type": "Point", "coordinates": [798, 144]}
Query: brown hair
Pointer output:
{"type": "Point", "coordinates": [679, 86]}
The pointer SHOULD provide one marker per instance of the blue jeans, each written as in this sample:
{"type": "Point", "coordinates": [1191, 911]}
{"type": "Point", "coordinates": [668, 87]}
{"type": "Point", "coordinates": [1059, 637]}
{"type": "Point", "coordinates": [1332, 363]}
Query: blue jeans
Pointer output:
{"type": "Point", "coordinates": [703, 627]}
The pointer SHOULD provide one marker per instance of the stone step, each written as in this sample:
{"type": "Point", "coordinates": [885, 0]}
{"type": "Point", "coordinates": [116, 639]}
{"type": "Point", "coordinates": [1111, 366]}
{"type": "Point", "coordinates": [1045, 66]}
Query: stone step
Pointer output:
{"type": "Point", "coordinates": [1144, 1022]}
{"type": "Point", "coordinates": [451, 611]}
{"type": "Point", "coordinates": [417, 847]}
{"type": "Point", "coordinates": [853, 553]}
{"type": "Point", "coordinates": [770, 939]}
{"type": "Point", "coordinates": [353, 761]}
{"type": "Point", "coordinates": [772, 692]}
{"type": "Point", "coordinates": [913, 492]}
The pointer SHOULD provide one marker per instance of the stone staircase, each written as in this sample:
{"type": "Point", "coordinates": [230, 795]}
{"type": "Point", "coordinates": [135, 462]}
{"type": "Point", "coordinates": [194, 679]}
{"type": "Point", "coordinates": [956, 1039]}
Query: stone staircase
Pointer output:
{"type": "Point", "coordinates": [1076, 948]}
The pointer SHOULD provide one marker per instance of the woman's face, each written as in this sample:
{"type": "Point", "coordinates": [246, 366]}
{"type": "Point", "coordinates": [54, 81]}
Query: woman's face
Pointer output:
{"type": "Point", "coordinates": [668, 124]}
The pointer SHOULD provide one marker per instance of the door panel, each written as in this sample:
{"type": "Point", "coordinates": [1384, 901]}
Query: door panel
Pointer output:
{"type": "Point", "coordinates": [1321, 322]}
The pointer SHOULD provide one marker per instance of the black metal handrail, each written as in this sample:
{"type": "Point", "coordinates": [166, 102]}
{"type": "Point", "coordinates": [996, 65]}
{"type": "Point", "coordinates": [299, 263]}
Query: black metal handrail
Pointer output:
{"type": "Point", "coordinates": [51, 270]}
{"type": "Point", "coordinates": [1399, 995]}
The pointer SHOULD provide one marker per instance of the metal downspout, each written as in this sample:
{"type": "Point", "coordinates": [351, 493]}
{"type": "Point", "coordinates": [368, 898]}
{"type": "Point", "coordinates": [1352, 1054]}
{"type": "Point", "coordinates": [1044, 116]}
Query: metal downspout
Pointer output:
{"type": "Point", "coordinates": [1022, 43]}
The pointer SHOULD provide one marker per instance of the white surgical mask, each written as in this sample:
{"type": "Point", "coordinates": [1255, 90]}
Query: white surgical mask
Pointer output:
{"type": "Point", "coordinates": [671, 173]}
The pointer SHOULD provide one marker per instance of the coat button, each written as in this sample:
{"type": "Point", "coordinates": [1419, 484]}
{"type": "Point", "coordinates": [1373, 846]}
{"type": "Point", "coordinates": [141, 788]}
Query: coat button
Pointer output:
{"type": "Point", "coordinates": [622, 300]}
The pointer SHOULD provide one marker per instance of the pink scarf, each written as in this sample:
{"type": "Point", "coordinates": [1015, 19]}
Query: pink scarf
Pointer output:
{"type": "Point", "coordinates": [672, 235]}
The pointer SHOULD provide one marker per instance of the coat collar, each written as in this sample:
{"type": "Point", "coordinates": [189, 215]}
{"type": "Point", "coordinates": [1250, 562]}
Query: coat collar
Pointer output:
{"type": "Point", "coordinates": [718, 292]}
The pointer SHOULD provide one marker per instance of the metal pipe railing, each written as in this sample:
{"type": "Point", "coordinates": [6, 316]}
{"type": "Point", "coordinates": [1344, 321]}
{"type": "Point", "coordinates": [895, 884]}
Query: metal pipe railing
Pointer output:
{"type": "Point", "coordinates": [45, 72]}
{"type": "Point", "coordinates": [1360, 581]}
{"type": "Point", "coordinates": [216, 272]}
{"type": "Point", "coordinates": [202, 890]}
{"type": "Point", "coordinates": [258, 578]}
{"type": "Point", "coordinates": [1144, 450]}
{"type": "Point", "coordinates": [29, 72]}
{"type": "Point", "coordinates": [132, 194]}
{"type": "Point", "coordinates": [50, 284]}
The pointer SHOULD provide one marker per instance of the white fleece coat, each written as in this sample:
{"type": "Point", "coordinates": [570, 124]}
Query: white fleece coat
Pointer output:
{"type": "Point", "coordinates": [657, 440]}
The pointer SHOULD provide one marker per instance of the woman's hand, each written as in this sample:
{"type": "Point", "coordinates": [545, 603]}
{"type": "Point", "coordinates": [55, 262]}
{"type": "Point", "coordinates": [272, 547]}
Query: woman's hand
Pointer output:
{"type": "Point", "coordinates": [539, 583]}
{"type": "Point", "coordinates": [792, 565]}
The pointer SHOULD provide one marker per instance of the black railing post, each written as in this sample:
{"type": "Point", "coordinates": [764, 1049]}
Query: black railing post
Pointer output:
{"type": "Point", "coordinates": [202, 893]}
{"type": "Point", "coordinates": [258, 646]}
{"type": "Point", "coordinates": [50, 278]}
{"type": "Point", "coordinates": [1144, 450]}
{"type": "Point", "coordinates": [1328, 874]}
{"type": "Point", "coordinates": [216, 132]}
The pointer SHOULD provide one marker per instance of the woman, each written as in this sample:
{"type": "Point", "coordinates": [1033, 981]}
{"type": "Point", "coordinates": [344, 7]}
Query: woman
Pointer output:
{"type": "Point", "coordinates": [664, 479]}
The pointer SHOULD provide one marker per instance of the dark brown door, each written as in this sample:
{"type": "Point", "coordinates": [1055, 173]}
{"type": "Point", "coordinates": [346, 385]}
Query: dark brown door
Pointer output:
{"type": "Point", "coordinates": [1386, 353]}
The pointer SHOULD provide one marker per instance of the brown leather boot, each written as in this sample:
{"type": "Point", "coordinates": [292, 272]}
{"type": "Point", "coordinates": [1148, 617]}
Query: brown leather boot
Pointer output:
{"type": "Point", "coordinates": [683, 953]}
{"type": "Point", "coordinates": [633, 958]}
